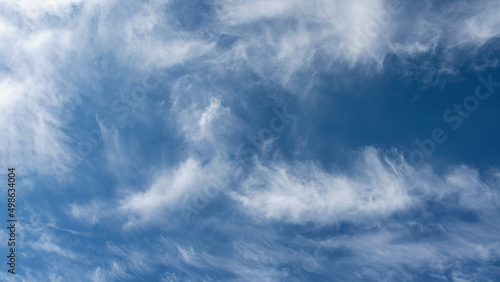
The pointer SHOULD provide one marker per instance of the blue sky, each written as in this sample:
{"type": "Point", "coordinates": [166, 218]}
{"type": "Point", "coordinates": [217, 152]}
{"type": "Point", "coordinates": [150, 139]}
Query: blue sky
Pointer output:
{"type": "Point", "coordinates": [252, 140]}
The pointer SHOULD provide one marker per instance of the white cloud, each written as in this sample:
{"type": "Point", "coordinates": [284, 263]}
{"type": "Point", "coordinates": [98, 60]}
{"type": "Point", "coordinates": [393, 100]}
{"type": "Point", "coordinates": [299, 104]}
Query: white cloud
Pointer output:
{"type": "Point", "coordinates": [45, 243]}
{"type": "Point", "coordinates": [89, 213]}
{"type": "Point", "coordinates": [114, 272]}
{"type": "Point", "coordinates": [202, 128]}
{"type": "Point", "coordinates": [288, 36]}
{"type": "Point", "coordinates": [166, 191]}
{"type": "Point", "coordinates": [45, 62]}
{"type": "Point", "coordinates": [300, 31]}
{"type": "Point", "coordinates": [40, 82]}
{"type": "Point", "coordinates": [241, 12]}
{"type": "Point", "coordinates": [171, 189]}
{"type": "Point", "coordinates": [276, 39]}
{"type": "Point", "coordinates": [375, 186]}
{"type": "Point", "coordinates": [304, 192]}
{"type": "Point", "coordinates": [385, 251]}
